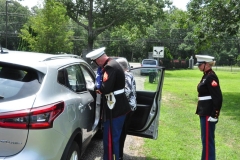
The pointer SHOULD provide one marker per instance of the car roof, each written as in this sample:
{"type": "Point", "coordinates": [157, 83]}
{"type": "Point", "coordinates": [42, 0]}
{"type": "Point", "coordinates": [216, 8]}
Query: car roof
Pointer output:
{"type": "Point", "coordinates": [149, 60]}
{"type": "Point", "coordinates": [38, 61]}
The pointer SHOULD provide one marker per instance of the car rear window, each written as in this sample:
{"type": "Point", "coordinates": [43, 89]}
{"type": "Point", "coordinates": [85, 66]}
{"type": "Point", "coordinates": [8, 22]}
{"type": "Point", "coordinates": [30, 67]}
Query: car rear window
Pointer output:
{"type": "Point", "coordinates": [18, 82]}
{"type": "Point", "coordinates": [149, 62]}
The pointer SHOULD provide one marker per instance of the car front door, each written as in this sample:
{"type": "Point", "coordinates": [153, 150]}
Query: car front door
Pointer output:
{"type": "Point", "coordinates": [145, 120]}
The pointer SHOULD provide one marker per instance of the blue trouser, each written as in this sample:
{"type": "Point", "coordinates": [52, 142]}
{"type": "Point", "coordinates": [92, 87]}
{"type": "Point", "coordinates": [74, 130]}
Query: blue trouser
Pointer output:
{"type": "Point", "coordinates": [207, 135]}
{"type": "Point", "coordinates": [124, 133]}
{"type": "Point", "coordinates": [117, 124]}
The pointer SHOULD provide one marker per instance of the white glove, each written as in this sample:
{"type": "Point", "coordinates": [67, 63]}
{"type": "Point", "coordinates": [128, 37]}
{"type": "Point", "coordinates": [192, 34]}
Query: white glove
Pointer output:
{"type": "Point", "coordinates": [210, 119]}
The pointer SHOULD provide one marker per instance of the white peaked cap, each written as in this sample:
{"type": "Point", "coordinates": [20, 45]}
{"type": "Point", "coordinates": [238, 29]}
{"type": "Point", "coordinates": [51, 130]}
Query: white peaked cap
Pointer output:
{"type": "Point", "coordinates": [203, 58]}
{"type": "Point", "coordinates": [96, 53]}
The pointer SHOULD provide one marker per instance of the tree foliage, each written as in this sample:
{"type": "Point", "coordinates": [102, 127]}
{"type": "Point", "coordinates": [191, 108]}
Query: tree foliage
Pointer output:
{"type": "Point", "coordinates": [49, 30]}
{"type": "Point", "coordinates": [16, 16]}
{"type": "Point", "coordinates": [131, 28]}
{"type": "Point", "coordinates": [168, 32]}
{"type": "Point", "coordinates": [215, 19]}
{"type": "Point", "coordinates": [96, 16]}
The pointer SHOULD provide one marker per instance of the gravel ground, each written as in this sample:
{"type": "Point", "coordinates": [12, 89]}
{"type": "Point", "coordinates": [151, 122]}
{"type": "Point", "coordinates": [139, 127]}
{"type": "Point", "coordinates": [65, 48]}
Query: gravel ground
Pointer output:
{"type": "Point", "coordinates": [132, 150]}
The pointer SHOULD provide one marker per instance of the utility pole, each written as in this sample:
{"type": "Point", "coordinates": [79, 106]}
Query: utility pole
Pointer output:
{"type": "Point", "coordinates": [6, 24]}
{"type": "Point", "coordinates": [7, 1]}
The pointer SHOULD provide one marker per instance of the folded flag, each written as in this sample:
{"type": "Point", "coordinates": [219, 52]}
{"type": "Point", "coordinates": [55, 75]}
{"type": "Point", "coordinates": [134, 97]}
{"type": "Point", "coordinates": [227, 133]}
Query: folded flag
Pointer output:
{"type": "Point", "coordinates": [98, 82]}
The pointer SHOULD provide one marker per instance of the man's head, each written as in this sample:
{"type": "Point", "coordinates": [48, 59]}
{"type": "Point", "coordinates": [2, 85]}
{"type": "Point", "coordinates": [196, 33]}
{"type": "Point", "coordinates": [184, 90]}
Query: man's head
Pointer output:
{"type": "Point", "coordinates": [98, 56]}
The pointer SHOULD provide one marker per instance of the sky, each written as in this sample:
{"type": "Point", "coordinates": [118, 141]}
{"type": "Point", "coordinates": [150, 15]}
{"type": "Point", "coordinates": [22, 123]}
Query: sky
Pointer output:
{"type": "Point", "coordinates": [31, 3]}
{"type": "Point", "coordinates": [181, 4]}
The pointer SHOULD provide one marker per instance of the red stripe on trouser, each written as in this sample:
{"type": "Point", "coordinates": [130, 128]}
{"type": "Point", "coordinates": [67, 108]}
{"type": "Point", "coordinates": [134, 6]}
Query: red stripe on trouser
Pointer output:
{"type": "Point", "coordinates": [207, 138]}
{"type": "Point", "coordinates": [110, 144]}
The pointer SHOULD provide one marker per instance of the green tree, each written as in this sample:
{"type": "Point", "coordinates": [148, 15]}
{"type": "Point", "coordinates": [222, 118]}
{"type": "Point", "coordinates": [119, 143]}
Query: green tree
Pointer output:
{"type": "Point", "coordinates": [79, 38]}
{"type": "Point", "coordinates": [123, 42]}
{"type": "Point", "coordinates": [170, 33]}
{"type": "Point", "coordinates": [215, 19]}
{"type": "Point", "coordinates": [48, 31]}
{"type": "Point", "coordinates": [96, 16]}
{"type": "Point", "coordinates": [16, 17]}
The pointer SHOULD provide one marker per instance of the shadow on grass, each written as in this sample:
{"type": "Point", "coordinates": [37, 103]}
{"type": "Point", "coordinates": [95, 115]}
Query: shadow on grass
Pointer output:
{"type": "Point", "coordinates": [230, 107]}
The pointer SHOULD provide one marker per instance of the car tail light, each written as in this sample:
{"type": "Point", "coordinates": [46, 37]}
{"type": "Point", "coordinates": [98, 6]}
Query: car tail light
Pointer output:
{"type": "Point", "coordinates": [36, 118]}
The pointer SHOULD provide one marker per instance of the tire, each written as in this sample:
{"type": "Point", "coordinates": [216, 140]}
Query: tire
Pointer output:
{"type": "Point", "coordinates": [74, 152]}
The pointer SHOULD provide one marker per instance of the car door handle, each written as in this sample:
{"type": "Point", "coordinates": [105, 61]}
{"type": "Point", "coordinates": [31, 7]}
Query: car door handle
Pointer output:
{"type": "Point", "coordinates": [80, 106]}
{"type": "Point", "coordinates": [83, 107]}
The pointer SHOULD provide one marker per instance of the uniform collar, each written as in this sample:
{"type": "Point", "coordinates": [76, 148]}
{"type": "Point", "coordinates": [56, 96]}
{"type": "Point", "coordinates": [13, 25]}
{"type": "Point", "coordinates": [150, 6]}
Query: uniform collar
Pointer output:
{"type": "Point", "coordinates": [206, 72]}
{"type": "Point", "coordinates": [105, 63]}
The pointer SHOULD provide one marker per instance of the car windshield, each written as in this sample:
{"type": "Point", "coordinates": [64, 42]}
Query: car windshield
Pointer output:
{"type": "Point", "coordinates": [16, 82]}
{"type": "Point", "coordinates": [149, 62]}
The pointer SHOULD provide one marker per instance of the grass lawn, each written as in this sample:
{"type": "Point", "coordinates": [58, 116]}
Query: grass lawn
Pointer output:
{"type": "Point", "coordinates": [179, 127]}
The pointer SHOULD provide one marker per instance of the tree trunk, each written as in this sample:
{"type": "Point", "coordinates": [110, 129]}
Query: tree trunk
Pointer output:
{"type": "Point", "coordinates": [90, 41]}
{"type": "Point", "coordinates": [90, 27]}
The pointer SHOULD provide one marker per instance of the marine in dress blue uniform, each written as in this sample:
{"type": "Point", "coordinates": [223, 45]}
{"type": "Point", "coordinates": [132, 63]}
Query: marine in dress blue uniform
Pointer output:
{"type": "Point", "coordinates": [112, 81]}
{"type": "Point", "coordinates": [209, 105]}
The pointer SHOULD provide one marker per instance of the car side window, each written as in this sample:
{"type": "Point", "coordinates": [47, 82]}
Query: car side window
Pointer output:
{"type": "Point", "coordinates": [88, 77]}
{"type": "Point", "coordinates": [61, 77]}
{"type": "Point", "coordinates": [73, 78]}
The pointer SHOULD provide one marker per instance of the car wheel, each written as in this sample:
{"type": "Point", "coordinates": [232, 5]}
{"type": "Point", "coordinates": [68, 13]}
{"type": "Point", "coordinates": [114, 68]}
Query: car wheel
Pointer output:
{"type": "Point", "coordinates": [74, 152]}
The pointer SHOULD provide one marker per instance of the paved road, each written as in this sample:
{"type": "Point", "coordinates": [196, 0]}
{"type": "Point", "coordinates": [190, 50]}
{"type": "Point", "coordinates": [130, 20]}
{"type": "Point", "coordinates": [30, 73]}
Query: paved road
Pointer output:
{"type": "Point", "coordinates": [132, 149]}
{"type": "Point", "coordinates": [135, 64]}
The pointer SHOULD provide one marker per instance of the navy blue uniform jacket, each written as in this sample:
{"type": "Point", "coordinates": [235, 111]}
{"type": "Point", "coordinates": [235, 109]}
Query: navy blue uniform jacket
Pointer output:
{"type": "Point", "coordinates": [114, 79]}
{"type": "Point", "coordinates": [209, 86]}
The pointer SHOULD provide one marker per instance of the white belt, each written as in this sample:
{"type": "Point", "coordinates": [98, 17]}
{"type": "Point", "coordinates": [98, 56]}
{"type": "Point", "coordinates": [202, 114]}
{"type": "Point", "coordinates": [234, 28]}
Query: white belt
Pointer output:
{"type": "Point", "coordinates": [204, 98]}
{"type": "Point", "coordinates": [118, 91]}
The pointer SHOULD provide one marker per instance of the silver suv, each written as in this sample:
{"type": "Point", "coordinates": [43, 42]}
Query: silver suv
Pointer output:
{"type": "Point", "coordinates": [47, 106]}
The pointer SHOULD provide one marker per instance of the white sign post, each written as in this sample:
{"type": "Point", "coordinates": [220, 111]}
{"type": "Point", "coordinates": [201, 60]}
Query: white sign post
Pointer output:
{"type": "Point", "coordinates": [158, 52]}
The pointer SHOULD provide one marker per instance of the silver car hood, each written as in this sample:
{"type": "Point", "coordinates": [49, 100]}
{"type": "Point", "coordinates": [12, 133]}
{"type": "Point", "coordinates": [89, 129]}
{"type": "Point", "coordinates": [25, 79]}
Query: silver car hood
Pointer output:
{"type": "Point", "coordinates": [13, 141]}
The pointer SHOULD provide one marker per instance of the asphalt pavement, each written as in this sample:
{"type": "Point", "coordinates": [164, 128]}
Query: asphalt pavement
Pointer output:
{"type": "Point", "coordinates": [135, 64]}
